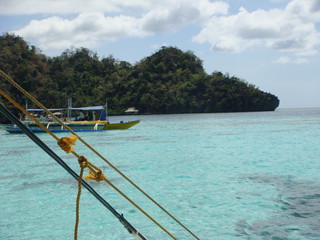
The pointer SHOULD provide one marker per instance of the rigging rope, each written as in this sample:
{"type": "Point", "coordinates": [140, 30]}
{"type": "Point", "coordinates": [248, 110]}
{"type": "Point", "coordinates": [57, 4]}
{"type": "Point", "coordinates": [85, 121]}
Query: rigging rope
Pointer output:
{"type": "Point", "coordinates": [95, 173]}
{"type": "Point", "coordinates": [16, 85]}
{"type": "Point", "coordinates": [83, 164]}
{"type": "Point", "coordinates": [52, 154]}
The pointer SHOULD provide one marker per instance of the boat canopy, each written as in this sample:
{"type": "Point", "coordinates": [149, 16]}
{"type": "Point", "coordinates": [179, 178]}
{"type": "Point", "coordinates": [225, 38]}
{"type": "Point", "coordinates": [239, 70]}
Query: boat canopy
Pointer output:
{"type": "Point", "coordinates": [41, 110]}
{"type": "Point", "coordinates": [92, 108]}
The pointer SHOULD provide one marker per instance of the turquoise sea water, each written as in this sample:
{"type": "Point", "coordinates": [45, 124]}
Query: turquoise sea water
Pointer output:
{"type": "Point", "coordinates": [235, 176]}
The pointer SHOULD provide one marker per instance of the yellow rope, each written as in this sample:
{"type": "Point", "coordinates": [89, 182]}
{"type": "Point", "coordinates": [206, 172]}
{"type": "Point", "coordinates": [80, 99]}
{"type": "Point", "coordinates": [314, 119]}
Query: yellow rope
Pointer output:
{"type": "Point", "coordinates": [27, 114]}
{"type": "Point", "coordinates": [83, 164]}
{"type": "Point", "coordinates": [97, 176]}
{"type": "Point", "coordinates": [66, 142]}
{"type": "Point", "coordinates": [140, 209]}
{"type": "Point", "coordinates": [96, 173]}
{"type": "Point", "coordinates": [89, 146]}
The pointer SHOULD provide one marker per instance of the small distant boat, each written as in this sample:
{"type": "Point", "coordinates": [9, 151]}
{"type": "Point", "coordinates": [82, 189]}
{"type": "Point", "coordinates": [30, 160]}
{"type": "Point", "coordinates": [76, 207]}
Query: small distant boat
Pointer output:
{"type": "Point", "coordinates": [88, 119]}
{"type": "Point", "coordinates": [132, 110]}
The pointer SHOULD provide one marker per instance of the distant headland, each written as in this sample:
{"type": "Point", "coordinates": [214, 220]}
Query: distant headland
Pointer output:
{"type": "Point", "coordinates": [168, 81]}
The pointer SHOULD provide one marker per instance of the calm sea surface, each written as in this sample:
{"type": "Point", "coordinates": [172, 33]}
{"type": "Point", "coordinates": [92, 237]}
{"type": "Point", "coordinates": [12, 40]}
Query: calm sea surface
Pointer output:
{"type": "Point", "coordinates": [235, 176]}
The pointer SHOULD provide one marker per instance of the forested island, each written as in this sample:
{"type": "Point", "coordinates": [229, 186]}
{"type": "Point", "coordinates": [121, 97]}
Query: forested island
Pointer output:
{"type": "Point", "coordinates": [168, 81]}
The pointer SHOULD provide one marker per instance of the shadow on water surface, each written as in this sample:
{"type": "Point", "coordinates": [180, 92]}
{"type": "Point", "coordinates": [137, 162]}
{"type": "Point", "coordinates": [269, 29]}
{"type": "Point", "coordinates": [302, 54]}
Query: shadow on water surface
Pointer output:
{"type": "Point", "coordinates": [299, 211]}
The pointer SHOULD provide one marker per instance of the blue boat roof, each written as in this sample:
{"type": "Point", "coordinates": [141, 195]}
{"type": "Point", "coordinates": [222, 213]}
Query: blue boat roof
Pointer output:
{"type": "Point", "coordinates": [92, 108]}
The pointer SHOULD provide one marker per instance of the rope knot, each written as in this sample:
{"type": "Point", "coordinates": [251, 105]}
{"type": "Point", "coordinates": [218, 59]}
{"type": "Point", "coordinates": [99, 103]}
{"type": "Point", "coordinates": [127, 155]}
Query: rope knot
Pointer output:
{"type": "Point", "coordinates": [66, 142]}
{"type": "Point", "coordinates": [83, 162]}
{"type": "Point", "coordinates": [98, 176]}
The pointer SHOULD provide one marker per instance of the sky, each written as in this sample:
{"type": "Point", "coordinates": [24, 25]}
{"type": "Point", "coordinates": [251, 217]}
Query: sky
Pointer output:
{"type": "Point", "coordinates": [272, 44]}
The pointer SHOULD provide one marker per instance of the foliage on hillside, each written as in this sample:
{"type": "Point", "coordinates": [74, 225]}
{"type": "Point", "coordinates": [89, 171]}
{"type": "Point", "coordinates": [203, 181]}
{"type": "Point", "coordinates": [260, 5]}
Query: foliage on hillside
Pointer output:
{"type": "Point", "coordinates": [169, 81]}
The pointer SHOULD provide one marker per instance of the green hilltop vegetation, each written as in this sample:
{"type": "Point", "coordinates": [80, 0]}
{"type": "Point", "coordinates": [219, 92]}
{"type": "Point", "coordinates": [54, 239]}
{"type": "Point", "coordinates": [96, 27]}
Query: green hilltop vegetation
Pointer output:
{"type": "Point", "coordinates": [168, 81]}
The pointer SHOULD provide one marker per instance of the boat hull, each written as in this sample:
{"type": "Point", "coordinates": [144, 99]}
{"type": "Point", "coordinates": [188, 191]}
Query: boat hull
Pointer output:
{"type": "Point", "coordinates": [56, 127]}
{"type": "Point", "coordinates": [76, 126]}
{"type": "Point", "coordinates": [120, 126]}
{"type": "Point", "coordinates": [111, 126]}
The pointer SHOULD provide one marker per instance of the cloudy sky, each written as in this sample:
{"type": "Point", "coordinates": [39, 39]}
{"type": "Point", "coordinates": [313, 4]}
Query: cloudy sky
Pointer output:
{"type": "Point", "coordinates": [273, 44]}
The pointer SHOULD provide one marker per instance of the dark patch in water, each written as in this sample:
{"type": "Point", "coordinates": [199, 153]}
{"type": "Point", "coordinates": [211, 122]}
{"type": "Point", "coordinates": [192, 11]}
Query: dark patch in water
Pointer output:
{"type": "Point", "coordinates": [14, 176]}
{"type": "Point", "coordinates": [299, 214]}
{"type": "Point", "coordinates": [45, 182]}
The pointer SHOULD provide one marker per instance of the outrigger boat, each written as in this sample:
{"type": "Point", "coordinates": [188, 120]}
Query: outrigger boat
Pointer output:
{"type": "Point", "coordinates": [94, 172]}
{"type": "Point", "coordinates": [95, 119]}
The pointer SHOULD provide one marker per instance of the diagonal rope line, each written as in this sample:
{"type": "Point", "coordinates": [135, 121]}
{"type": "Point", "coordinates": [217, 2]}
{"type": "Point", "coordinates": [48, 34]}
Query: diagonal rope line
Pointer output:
{"type": "Point", "coordinates": [95, 151]}
{"type": "Point", "coordinates": [94, 167]}
{"type": "Point", "coordinates": [54, 156]}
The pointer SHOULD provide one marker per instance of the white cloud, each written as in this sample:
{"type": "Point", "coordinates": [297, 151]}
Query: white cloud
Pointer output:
{"type": "Point", "coordinates": [240, 31]}
{"type": "Point", "coordinates": [178, 14]}
{"type": "Point", "coordinates": [89, 29]}
{"type": "Point", "coordinates": [18, 7]}
{"type": "Point", "coordinates": [288, 60]}
{"type": "Point", "coordinates": [306, 9]}
{"type": "Point", "coordinates": [290, 30]}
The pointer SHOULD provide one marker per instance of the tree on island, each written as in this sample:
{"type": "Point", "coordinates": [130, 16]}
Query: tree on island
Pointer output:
{"type": "Point", "coordinates": [168, 81]}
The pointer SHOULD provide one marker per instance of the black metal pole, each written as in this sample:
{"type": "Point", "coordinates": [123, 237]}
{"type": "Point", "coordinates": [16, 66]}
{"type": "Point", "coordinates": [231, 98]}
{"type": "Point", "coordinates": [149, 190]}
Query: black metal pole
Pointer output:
{"type": "Point", "coordinates": [52, 154]}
